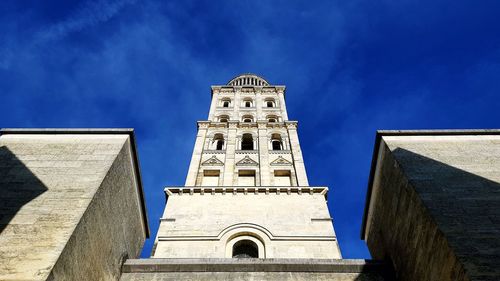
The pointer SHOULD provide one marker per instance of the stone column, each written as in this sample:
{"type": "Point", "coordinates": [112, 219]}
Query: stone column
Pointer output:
{"type": "Point", "coordinates": [197, 151]}
{"type": "Point", "coordinates": [230, 154]}
{"type": "Point", "coordinates": [298, 161]}
{"type": "Point", "coordinates": [263, 154]}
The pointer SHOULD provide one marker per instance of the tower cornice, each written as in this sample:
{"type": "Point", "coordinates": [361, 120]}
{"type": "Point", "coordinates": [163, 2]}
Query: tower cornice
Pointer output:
{"type": "Point", "coordinates": [215, 89]}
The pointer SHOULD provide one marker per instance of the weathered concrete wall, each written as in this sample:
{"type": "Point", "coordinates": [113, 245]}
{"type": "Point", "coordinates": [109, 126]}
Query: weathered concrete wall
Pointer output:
{"type": "Point", "coordinates": [434, 207]}
{"type": "Point", "coordinates": [70, 206]}
{"type": "Point", "coordinates": [253, 269]}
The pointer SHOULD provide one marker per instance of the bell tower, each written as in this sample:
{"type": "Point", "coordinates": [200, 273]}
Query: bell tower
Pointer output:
{"type": "Point", "coordinates": [247, 194]}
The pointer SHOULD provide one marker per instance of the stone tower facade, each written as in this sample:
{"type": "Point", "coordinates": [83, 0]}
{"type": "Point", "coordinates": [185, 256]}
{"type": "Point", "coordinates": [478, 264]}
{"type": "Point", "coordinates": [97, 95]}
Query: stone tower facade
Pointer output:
{"type": "Point", "coordinates": [246, 192]}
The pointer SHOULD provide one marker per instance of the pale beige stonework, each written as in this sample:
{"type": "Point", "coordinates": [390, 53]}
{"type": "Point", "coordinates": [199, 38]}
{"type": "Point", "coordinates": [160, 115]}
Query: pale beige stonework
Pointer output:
{"type": "Point", "coordinates": [260, 128]}
{"type": "Point", "coordinates": [260, 194]}
{"type": "Point", "coordinates": [70, 205]}
{"type": "Point", "coordinates": [433, 204]}
{"type": "Point", "coordinates": [289, 224]}
{"type": "Point", "coordinates": [254, 269]}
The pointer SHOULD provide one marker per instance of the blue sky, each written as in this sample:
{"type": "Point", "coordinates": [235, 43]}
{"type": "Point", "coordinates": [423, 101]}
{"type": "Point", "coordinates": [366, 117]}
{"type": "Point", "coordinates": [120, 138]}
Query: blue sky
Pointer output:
{"type": "Point", "coordinates": [350, 67]}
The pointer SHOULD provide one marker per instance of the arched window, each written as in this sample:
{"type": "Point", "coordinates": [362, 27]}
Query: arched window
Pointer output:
{"type": "Point", "coordinates": [219, 141]}
{"type": "Point", "coordinates": [223, 118]}
{"type": "Point", "coordinates": [272, 118]}
{"type": "Point", "coordinates": [247, 102]}
{"type": "Point", "coordinates": [247, 142]}
{"type": "Point", "coordinates": [226, 102]}
{"type": "Point", "coordinates": [276, 142]}
{"type": "Point", "coordinates": [247, 118]}
{"type": "Point", "coordinates": [245, 249]}
{"type": "Point", "coordinates": [270, 103]}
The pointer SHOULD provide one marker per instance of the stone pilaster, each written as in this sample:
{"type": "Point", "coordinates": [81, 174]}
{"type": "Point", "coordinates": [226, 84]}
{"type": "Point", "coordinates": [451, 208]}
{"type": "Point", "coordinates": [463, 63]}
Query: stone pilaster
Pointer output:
{"type": "Point", "coordinates": [236, 106]}
{"type": "Point", "coordinates": [281, 96]}
{"type": "Point", "coordinates": [230, 154]}
{"type": "Point", "coordinates": [263, 154]}
{"type": "Point", "coordinates": [213, 103]}
{"type": "Point", "coordinates": [197, 151]}
{"type": "Point", "coordinates": [258, 103]}
{"type": "Point", "coordinates": [298, 160]}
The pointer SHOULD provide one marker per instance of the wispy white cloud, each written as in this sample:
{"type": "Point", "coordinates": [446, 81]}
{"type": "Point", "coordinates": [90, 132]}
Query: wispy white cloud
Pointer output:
{"type": "Point", "coordinates": [89, 14]}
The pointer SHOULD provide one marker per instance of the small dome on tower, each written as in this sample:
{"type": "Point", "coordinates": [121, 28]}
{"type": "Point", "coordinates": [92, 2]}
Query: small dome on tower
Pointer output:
{"type": "Point", "coordinates": [248, 80]}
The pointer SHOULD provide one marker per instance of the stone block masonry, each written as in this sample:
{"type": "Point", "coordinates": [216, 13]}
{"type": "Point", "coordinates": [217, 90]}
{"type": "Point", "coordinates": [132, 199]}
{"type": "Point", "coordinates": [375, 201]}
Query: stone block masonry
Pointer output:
{"type": "Point", "coordinates": [433, 204]}
{"type": "Point", "coordinates": [254, 269]}
{"type": "Point", "coordinates": [71, 204]}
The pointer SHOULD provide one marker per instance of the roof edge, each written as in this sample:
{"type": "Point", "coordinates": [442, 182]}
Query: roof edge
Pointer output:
{"type": "Point", "coordinates": [255, 265]}
{"type": "Point", "coordinates": [94, 131]}
{"type": "Point", "coordinates": [129, 131]}
{"type": "Point", "coordinates": [436, 132]}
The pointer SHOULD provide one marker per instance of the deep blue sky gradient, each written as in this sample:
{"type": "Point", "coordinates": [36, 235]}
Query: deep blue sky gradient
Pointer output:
{"type": "Point", "coordinates": [350, 67]}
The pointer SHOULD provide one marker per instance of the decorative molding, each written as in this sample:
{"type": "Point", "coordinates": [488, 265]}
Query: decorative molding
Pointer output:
{"type": "Point", "coordinates": [247, 125]}
{"type": "Point", "coordinates": [203, 124]}
{"type": "Point", "coordinates": [209, 151]}
{"type": "Point", "coordinates": [268, 90]}
{"type": "Point", "coordinates": [291, 124]}
{"type": "Point", "coordinates": [279, 151]}
{"type": "Point", "coordinates": [245, 190]}
{"type": "Point", "coordinates": [213, 161]}
{"type": "Point", "coordinates": [247, 161]}
{"type": "Point", "coordinates": [247, 90]}
{"type": "Point", "coordinates": [280, 161]}
{"type": "Point", "coordinates": [262, 124]}
{"type": "Point", "coordinates": [227, 90]}
{"type": "Point", "coordinates": [232, 124]}
{"type": "Point", "coordinates": [246, 152]}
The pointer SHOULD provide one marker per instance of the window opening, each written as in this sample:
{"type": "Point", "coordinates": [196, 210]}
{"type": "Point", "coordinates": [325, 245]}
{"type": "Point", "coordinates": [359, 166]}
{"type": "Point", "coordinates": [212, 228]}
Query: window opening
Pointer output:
{"type": "Point", "coordinates": [210, 178]}
{"type": "Point", "coordinates": [246, 178]}
{"type": "Point", "coordinates": [276, 145]}
{"type": "Point", "coordinates": [276, 142]}
{"type": "Point", "coordinates": [282, 178]}
{"type": "Point", "coordinates": [219, 141]}
{"type": "Point", "coordinates": [247, 142]}
{"type": "Point", "coordinates": [247, 118]}
{"type": "Point", "coordinates": [245, 249]}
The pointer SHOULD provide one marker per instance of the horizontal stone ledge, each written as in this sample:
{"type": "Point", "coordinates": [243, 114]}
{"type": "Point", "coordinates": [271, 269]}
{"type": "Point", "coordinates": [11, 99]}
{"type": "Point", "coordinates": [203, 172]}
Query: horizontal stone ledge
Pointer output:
{"type": "Point", "coordinates": [274, 238]}
{"type": "Point", "coordinates": [190, 190]}
{"type": "Point", "coordinates": [253, 265]}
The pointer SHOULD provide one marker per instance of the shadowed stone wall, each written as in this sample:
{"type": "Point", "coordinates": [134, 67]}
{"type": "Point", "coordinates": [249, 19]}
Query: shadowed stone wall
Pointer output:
{"type": "Point", "coordinates": [433, 209]}
{"type": "Point", "coordinates": [70, 206]}
{"type": "Point", "coordinates": [254, 269]}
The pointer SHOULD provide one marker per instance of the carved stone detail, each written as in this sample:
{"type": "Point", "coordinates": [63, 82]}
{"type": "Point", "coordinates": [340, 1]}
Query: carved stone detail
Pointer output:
{"type": "Point", "coordinates": [280, 161]}
{"type": "Point", "coordinates": [247, 161]}
{"type": "Point", "coordinates": [213, 161]}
